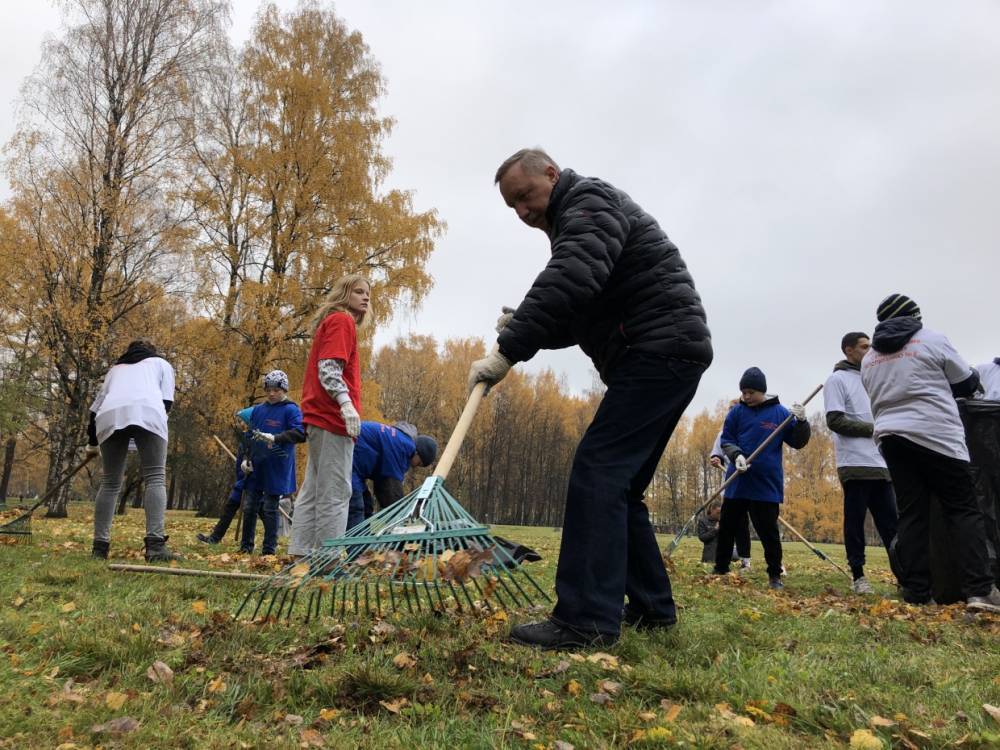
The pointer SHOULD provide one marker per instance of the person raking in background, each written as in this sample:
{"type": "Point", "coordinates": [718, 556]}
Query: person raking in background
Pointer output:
{"type": "Point", "coordinates": [759, 490]}
{"type": "Point", "coordinates": [235, 500]}
{"type": "Point", "coordinates": [132, 404]}
{"type": "Point", "coordinates": [276, 427]}
{"type": "Point", "coordinates": [860, 467]}
{"type": "Point", "coordinates": [382, 455]}
{"type": "Point", "coordinates": [912, 375]}
{"type": "Point", "coordinates": [616, 286]}
{"type": "Point", "coordinates": [741, 551]}
{"type": "Point", "coordinates": [331, 408]}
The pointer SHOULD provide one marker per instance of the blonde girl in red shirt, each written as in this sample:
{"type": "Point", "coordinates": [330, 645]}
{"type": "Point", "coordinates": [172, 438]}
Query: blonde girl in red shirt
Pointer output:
{"type": "Point", "coordinates": [331, 406]}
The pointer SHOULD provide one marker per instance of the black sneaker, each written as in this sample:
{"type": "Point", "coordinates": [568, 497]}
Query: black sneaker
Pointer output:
{"type": "Point", "coordinates": [717, 572]}
{"type": "Point", "coordinates": [549, 635]}
{"type": "Point", "coordinates": [775, 583]}
{"type": "Point", "coordinates": [208, 539]}
{"type": "Point", "coordinates": [100, 549]}
{"type": "Point", "coordinates": [642, 622]}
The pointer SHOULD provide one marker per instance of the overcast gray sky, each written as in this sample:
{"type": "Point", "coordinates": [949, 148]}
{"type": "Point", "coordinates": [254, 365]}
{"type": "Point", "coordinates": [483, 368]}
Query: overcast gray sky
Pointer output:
{"type": "Point", "coordinates": [808, 158]}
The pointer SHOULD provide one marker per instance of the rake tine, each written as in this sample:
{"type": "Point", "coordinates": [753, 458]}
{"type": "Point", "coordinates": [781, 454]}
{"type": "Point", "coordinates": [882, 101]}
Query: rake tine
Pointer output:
{"type": "Point", "coordinates": [309, 606]}
{"type": "Point", "coordinates": [367, 610]}
{"type": "Point", "coordinates": [467, 597]}
{"type": "Point", "coordinates": [516, 583]}
{"type": "Point", "coordinates": [246, 600]}
{"type": "Point", "coordinates": [291, 604]}
{"type": "Point", "coordinates": [274, 598]}
{"type": "Point", "coordinates": [482, 594]}
{"type": "Point", "coordinates": [454, 593]}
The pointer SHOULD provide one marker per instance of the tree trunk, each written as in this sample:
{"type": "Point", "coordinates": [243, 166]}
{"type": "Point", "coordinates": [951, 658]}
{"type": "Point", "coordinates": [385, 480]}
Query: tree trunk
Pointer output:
{"type": "Point", "coordinates": [8, 467]}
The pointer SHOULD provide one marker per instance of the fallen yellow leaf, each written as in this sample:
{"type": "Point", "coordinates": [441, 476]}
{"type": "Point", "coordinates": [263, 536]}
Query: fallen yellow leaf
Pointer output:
{"type": "Point", "coordinates": [863, 739]}
{"type": "Point", "coordinates": [329, 714]}
{"type": "Point", "coordinates": [217, 685]}
{"type": "Point", "coordinates": [573, 687]}
{"type": "Point", "coordinates": [68, 607]}
{"type": "Point", "coordinates": [403, 660]}
{"type": "Point", "coordinates": [115, 701]}
{"type": "Point", "coordinates": [199, 607]}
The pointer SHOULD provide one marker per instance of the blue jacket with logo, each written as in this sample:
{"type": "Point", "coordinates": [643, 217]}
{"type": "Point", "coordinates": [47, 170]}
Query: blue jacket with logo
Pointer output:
{"type": "Point", "coordinates": [745, 428]}
{"type": "Point", "coordinates": [274, 465]}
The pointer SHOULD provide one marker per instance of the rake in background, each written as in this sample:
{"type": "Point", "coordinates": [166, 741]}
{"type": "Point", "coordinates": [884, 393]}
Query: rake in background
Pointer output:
{"type": "Point", "coordinates": [18, 530]}
{"type": "Point", "coordinates": [423, 553]}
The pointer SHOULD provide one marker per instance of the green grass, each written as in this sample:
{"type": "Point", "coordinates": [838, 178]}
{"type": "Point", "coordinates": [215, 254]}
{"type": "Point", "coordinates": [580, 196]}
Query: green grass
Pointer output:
{"type": "Point", "coordinates": [808, 666]}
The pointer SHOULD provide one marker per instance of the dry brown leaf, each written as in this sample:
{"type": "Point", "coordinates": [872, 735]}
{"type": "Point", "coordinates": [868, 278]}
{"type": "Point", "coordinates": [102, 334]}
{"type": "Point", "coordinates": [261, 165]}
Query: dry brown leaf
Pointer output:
{"type": "Point", "coordinates": [880, 722]}
{"type": "Point", "coordinates": [218, 685]}
{"type": "Point", "coordinates": [68, 607]}
{"type": "Point", "coordinates": [561, 745]}
{"type": "Point", "coordinates": [601, 699]}
{"type": "Point", "coordinates": [199, 607]}
{"type": "Point", "coordinates": [672, 710]}
{"type": "Point", "coordinates": [160, 672]}
{"type": "Point", "coordinates": [121, 725]}
{"type": "Point", "coordinates": [383, 629]}
{"type": "Point", "coordinates": [312, 738]}
{"type": "Point", "coordinates": [647, 715]}
{"type": "Point", "coordinates": [559, 668]}
{"type": "Point", "coordinates": [573, 687]}
{"type": "Point", "coordinates": [115, 701]}
{"type": "Point", "coordinates": [35, 628]}
{"type": "Point", "coordinates": [993, 711]}
{"type": "Point", "coordinates": [18, 602]}
{"type": "Point", "coordinates": [293, 720]}
{"type": "Point", "coordinates": [403, 660]}
{"type": "Point", "coordinates": [610, 687]}
{"type": "Point", "coordinates": [394, 706]}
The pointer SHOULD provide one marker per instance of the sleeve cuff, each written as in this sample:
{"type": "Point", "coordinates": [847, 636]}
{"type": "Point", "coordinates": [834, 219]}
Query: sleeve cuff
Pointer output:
{"type": "Point", "coordinates": [343, 398]}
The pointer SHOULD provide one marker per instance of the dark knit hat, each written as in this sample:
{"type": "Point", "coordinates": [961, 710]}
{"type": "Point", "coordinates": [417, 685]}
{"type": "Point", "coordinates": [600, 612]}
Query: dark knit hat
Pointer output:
{"type": "Point", "coordinates": [427, 449]}
{"type": "Point", "coordinates": [897, 306]}
{"type": "Point", "coordinates": [754, 379]}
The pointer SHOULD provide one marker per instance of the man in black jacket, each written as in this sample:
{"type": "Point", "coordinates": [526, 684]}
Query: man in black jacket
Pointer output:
{"type": "Point", "coordinates": [618, 287]}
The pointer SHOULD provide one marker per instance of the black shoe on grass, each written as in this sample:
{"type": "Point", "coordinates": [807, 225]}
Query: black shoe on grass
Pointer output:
{"type": "Point", "coordinates": [550, 635]}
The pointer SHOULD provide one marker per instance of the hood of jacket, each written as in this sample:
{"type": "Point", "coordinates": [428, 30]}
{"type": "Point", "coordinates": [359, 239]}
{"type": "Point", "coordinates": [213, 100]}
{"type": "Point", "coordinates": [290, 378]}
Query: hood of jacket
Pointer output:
{"type": "Point", "coordinates": [895, 333]}
{"type": "Point", "coordinates": [845, 365]}
{"type": "Point", "coordinates": [136, 352]}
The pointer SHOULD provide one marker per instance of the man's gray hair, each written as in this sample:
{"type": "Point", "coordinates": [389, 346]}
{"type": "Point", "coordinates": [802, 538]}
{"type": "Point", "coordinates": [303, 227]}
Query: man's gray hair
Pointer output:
{"type": "Point", "coordinates": [532, 161]}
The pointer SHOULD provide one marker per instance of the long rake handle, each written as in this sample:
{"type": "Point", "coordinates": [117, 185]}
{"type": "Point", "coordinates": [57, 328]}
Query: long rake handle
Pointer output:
{"type": "Point", "coordinates": [767, 441]}
{"type": "Point", "coordinates": [224, 447]}
{"type": "Point", "coordinates": [58, 486]}
{"type": "Point", "coordinates": [186, 572]}
{"type": "Point", "coordinates": [461, 430]}
{"type": "Point", "coordinates": [815, 551]}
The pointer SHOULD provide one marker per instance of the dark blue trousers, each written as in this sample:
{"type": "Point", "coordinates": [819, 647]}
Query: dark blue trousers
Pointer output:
{"type": "Point", "coordinates": [259, 502]}
{"type": "Point", "coordinates": [356, 509]}
{"type": "Point", "coordinates": [608, 548]}
{"type": "Point", "coordinates": [860, 497]}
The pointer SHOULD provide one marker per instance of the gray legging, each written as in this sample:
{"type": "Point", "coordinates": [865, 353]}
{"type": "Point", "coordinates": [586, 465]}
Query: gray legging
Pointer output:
{"type": "Point", "coordinates": [153, 459]}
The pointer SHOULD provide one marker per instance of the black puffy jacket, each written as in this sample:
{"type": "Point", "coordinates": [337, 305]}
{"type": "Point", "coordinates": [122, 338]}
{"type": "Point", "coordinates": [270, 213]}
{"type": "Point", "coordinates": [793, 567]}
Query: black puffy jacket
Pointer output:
{"type": "Point", "coordinates": [614, 282]}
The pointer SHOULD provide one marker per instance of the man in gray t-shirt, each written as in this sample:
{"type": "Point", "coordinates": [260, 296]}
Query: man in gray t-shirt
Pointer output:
{"type": "Point", "coordinates": [860, 467]}
{"type": "Point", "coordinates": [913, 375]}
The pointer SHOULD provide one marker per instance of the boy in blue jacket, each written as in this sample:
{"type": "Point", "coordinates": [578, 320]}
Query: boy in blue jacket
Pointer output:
{"type": "Point", "coordinates": [276, 425]}
{"type": "Point", "coordinates": [383, 454]}
{"type": "Point", "coordinates": [760, 488]}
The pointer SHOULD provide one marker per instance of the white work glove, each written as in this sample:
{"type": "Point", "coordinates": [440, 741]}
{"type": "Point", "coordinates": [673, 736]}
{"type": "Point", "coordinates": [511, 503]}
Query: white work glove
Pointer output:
{"type": "Point", "coordinates": [799, 412]}
{"type": "Point", "coordinates": [741, 464]}
{"type": "Point", "coordinates": [246, 466]}
{"type": "Point", "coordinates": [491, 369]}
{"type": "Point", "coordinates": [352, 420]}
{"type": "Point", "coordinates": [93, 450]}
{"type": "Point", "coordinates": [503, 320]}
{"type": "Point", "coordinates": [266, 437]}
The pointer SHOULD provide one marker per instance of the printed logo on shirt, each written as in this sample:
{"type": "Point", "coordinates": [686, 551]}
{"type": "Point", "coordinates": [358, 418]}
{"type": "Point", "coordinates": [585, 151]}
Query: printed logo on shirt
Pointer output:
{"type": "Point", "coordinates": [769, 425]}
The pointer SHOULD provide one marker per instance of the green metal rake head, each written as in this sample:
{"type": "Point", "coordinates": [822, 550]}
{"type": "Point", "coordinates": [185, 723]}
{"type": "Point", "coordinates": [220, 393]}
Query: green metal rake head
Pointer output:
{"type": "Point", "coordinates": [17, 530]}
{"type": "Point", "coordinates": [424, 553]}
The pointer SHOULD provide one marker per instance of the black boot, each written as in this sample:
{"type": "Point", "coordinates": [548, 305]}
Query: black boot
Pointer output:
{"type": "Point", "coordinates": [157, 550]}
{"type": "Point", "coordinates": [100, 549]}
{"type": "Point", "coordinates": [550, 635]}
{"type": "Point", "coordinates": [208, 539]}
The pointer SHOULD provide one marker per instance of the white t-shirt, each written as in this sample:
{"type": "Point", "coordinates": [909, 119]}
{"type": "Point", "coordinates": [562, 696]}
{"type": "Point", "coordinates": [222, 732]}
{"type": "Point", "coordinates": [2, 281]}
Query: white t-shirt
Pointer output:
{"type": "Point", "coordinates": [134, 395]}
{"type": "Point", "coordinates": [844, 392]}
{"type": "Point", "coordinates": [989, 376]}
{"type": "Point", "coordinates": [910, 392]}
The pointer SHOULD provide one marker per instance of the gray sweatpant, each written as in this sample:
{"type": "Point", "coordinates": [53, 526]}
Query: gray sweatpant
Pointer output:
{"type": "Point", "coordinates": [153, 461]}
{"type": "Point", "coordinates": [322, 503]}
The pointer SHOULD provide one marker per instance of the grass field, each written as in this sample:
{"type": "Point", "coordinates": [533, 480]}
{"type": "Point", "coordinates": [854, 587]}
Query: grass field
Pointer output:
{"type": "Point", "coordinates": [811, 667]}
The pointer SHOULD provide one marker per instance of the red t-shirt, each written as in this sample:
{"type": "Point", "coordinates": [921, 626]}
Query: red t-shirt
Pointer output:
{"type": "Point", "coordinates": [335, 338]}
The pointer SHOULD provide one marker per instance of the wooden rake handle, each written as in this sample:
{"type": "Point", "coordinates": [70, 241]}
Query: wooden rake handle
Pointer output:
{"type": "Point", "coordinates": [461, 429]}
{"type": "Point", "coordinates": [58, 485]}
